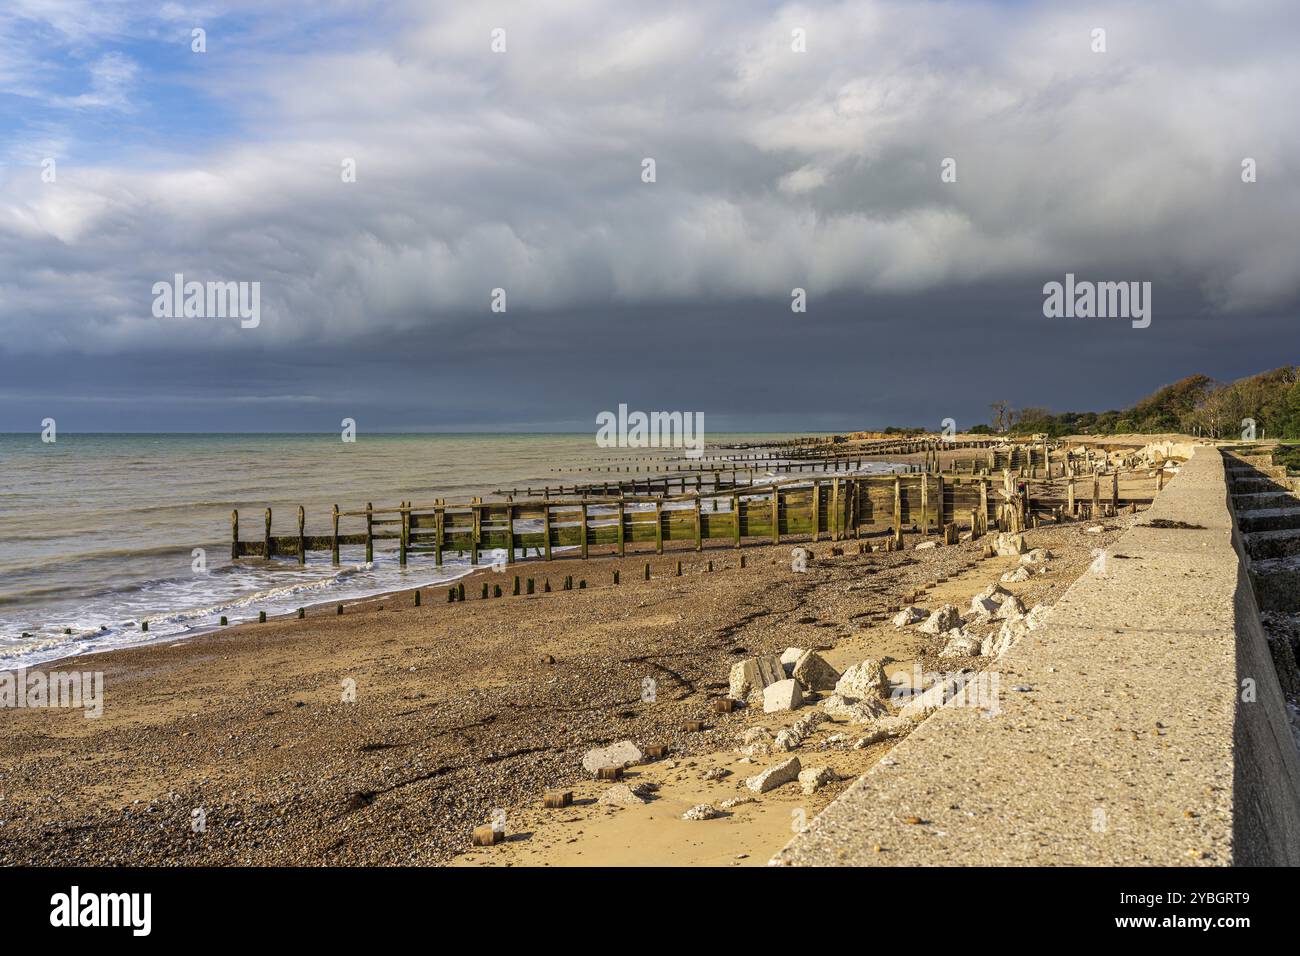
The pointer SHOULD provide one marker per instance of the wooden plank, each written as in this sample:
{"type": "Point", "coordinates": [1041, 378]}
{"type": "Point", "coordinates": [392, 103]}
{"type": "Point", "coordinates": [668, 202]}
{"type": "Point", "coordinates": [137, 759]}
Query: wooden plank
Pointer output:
{"type": "Point", "coordinates": [699, 542]}
{"type": "Point", "coordinates": [776, 515]}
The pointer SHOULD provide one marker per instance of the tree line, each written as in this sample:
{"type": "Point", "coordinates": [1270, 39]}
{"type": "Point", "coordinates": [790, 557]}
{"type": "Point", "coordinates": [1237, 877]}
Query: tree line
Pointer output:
{"type": "Point", "coordinates": [1196, 405]}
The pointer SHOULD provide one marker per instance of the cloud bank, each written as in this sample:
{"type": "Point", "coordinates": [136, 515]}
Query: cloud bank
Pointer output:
{"type": "Point", "coordinates": [522, 169]}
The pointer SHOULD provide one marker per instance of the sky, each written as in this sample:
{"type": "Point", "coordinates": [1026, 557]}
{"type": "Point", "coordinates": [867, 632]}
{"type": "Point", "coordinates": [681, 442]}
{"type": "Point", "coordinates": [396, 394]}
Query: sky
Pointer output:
{"type": "Point", "coordinates": [920, 170]}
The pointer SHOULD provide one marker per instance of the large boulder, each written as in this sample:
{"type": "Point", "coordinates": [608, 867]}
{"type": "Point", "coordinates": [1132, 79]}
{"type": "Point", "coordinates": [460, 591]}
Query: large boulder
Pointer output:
{"type": "Point", "coordinates": [814, 778]}
{"type": "Point", "coordinates": [783, 695]}
{"type": "Point", "coordinates": [863, 681]}
{"type": "Point", "coordinates": [942, 619]}
{"type": "Point", "coordinates": [812, 671]}
{"type": "Point", "coordinates": [860, 711]}
{"type": "Point", "coordinates": [774, 777]}
{"type": "Point", "coordinates": [788, 738]}
{"type": "Point", "coordinates": [910, 615]}
{"type": "Point", "coordinates": [995, 645]}
{"type": "Point", "coordinates": [750, 676]}
{"type": "Point", "coordinates": [1013, 628]}
{"type": "Point", "coordinates": [1016, 576]}
{"type": "Point", "coordinates": [932, 699]}
{"type": "Point", "coordinates": [1011, 609]}
{"type": "Point", "coordinates": [987, 603]}
{"type": "Point", "coordinates": [621, 795]}
{"type": "Point", "coordinates": [1009, 544]}
{"type": "Point", "coordinates": [790, 658]}
{"type": "Point", "coordinates": [960, 644]}
{"type": "Point", "coordinates": [702, 811]}
{"type": "Point", "coordinates": [883, 729]}
{"type": "Point", "coordinates": [1036, 617]}
{"type": "Point", "coordinates": [622, 754]}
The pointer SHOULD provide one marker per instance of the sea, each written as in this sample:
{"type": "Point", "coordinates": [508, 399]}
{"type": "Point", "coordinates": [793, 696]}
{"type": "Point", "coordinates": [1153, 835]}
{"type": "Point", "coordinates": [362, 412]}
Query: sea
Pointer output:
{"type": "Point", "coordinates": [101, 532]}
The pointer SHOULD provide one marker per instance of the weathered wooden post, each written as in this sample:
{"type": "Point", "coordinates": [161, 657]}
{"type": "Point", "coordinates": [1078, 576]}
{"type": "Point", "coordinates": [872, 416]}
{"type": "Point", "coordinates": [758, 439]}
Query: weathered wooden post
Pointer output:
{"type": "Point", "coordinates": [546, 528]}
{"type": "Point", "coordinates": [984, 506]}
{"type": "Point", "coordinates": [404, 518]}
{"type": "Point", "coordinates": [1096, 496]}
{"type": "Point", "coordinates": [837, 520]}
{"type": "Point", "coordinates": [267, 538]}
{"type": "Point", "coordinates": [1160, 477]}
{"type": "Point", "coordinates": [370, 532]}
{"type": "Point", "coordinates": [925, 503]}
{"type": "Point", "coordinates": [439, 524]}
{"type": "Point", "coordinates": [582, 529]}
{"type": "Point", "coordinates": [659, 524]}
{"type": "Point", "coordinates": [941, 515]}
{"type": "Point", "coordinates": [234, 535]}
{"type": "Point", "coordinates": [477, 507]}
{"type": "Point", "coordinates": [302, 537]}
{"type": "Point", "coordinates": [334, 540]}
{"type": "Point", "coordinates": [510, 531]}
{"type": "Point", "coordinates": [699, 530]}
{"type": "Point", "coordinates": [776, 515]}
{"type": "Point", "coordinates": [622, 545]}
{"type": "Point", "coordinates": [1114, 492]}
{"type": "Point", "coordinates": [898, 509]}
{"type": "Point", "coordinates": [735, 515]}
{"type": "Point", "coordinates": [1069, 497]}
{"type": "Point", "coordinates": [816, 508]}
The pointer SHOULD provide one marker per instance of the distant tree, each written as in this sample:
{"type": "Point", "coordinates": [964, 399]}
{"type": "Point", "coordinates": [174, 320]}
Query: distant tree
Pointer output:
{"type": "Point", "coordinates": [1004, 416]}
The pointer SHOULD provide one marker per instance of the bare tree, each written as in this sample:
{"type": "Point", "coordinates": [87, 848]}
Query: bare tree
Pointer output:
{"type": "Point", "coordinates": [1004, 416]}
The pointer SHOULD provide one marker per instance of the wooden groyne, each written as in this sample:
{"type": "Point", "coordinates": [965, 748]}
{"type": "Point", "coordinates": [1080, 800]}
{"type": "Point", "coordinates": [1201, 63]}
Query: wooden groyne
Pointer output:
{"type": "Point", "coordinates": [651, 516]}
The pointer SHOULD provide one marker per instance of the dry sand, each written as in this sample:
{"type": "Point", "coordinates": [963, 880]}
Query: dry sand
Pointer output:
{"type": "Point", "coordinates": [469, 708]}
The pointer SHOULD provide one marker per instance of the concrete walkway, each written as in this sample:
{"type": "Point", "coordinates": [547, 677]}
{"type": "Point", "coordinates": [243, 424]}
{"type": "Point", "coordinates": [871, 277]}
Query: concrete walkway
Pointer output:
{"type": "Point", "coordinates": [1121, 735]}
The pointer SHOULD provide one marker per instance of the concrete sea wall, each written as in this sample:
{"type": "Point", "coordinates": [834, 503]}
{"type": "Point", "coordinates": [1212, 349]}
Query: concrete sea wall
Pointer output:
{"type": "Point", "coordinates": [1142, 724]}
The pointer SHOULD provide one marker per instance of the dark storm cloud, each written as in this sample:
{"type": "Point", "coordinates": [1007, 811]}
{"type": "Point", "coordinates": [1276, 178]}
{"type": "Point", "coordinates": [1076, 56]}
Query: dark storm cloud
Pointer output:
{"type": "Point", "coordinates": [775, 170]}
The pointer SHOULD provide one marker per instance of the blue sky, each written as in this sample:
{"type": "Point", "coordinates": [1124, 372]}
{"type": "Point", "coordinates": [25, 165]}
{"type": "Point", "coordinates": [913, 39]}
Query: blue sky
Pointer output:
{"type": "Point", "coordinates": [120, 82]}
{"type": "Point", "coordinates": [521, 170]}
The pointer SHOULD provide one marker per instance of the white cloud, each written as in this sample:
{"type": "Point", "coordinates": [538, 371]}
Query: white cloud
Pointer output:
{"type": "Point", "coordinates": [775, 169]}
